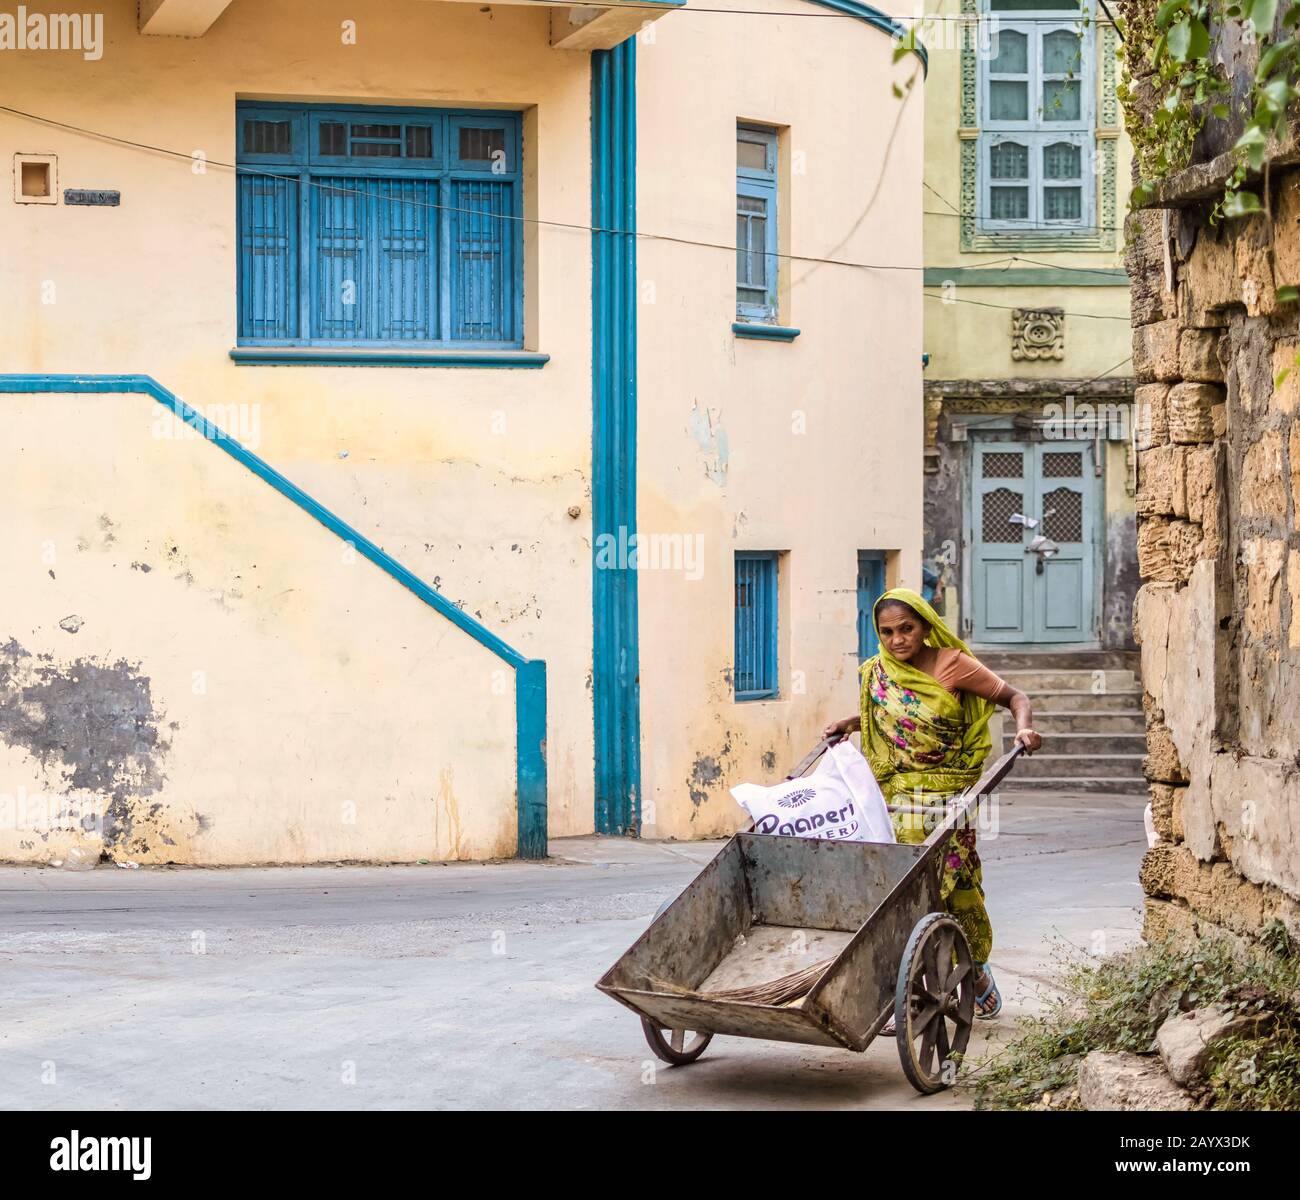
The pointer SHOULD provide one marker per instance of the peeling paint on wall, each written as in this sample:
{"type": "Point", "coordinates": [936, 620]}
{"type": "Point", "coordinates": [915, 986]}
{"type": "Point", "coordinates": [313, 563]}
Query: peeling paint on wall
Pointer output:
{"type": "Point", "coordinates": [706, 428]}
{"type": "Point", "coordinates": [94, 723]}
{"type": "Point", "coordinates": [707, 773]}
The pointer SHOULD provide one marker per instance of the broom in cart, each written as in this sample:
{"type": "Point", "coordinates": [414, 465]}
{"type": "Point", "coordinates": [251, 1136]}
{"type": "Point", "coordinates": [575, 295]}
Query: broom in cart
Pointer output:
{"type": "Point", "coordinates": [817, 924]}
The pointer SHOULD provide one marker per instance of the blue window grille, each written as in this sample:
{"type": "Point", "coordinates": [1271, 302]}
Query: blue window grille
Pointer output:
{"type": "Point", "coordinates": [756, 626]}
{"type": "Point", "coordinates": [871, 586]}
{"type": "Point", "coordinates": [379, 226]}
{"type": "Point", "coordinates": [756, 220]}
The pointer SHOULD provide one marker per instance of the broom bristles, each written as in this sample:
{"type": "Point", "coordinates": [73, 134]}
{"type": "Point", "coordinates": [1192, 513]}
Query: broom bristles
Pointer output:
{"type": "Point", "coordinates": [785, 990]}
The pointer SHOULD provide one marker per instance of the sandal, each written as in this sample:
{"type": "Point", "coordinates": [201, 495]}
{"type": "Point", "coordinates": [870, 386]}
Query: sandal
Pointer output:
{"type": "Point", "coordinates": [991, 990]}
{"type": "Point", "coordinates": [888, 1030]}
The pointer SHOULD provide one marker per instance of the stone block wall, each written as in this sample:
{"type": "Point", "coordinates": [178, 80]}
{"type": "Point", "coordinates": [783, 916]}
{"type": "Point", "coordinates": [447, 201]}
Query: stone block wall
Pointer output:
{"type": "Point", "coordinates": [1218, 544]}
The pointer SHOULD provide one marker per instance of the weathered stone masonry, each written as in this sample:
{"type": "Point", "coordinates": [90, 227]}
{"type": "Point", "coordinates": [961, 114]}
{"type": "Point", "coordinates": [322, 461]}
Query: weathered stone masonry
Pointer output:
{"type": "Point", "coordinates": [1218, 615]}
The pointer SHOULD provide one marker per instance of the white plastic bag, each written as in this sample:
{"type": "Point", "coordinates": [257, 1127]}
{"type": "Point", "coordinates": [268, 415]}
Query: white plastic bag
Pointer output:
{"type": "Point", "coordinates": [840, 800]}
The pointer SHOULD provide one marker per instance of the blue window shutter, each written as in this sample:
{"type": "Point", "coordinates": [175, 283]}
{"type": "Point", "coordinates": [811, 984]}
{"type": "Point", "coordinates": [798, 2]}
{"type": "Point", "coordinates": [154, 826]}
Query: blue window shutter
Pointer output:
{"type": "Point", "coordinates": [268, 257]}
{"type": "Point", "coordinates": [756, 261]}
{"type": "Point", "coordinates": [871, 586]}
{"type": "Point", "coordinates": [363, 245]}
{"type": "Point", "coordinates": [482, 267]}
{"type": "Point", "coordinates": [404, 243]}
{"type": "Point", "coordinates": [341, 284]}
{"type": "Point", "coordinates": [756, 626]}
{"type": "Point", "coordinates": [756, 223]}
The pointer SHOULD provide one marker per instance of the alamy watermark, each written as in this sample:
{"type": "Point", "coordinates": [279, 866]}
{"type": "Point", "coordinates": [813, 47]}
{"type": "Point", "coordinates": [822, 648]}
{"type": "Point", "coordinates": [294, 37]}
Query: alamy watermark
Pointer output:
{"type": "Point", "coordinates": [1083, 420]}
{"type": "Point", "coordinates": [952, 31]}
{"type": "Point", "coordinates": [53, 31]}
{"type": "Point", "coordinates": [216, 422]}
{"type": "Point", "coordinates": [624, 551]}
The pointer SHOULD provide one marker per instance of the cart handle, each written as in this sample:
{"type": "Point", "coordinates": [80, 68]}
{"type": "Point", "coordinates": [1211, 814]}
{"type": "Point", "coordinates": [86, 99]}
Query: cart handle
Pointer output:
{"type": "Point", "coordinates": [970, 797]}
{"type": "Point", "coordinates": [808, 759]}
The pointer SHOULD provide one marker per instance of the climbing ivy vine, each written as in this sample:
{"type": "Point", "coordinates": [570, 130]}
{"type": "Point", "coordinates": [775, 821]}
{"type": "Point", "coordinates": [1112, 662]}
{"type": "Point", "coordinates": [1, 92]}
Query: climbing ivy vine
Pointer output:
{"type": "Point", "coordinates": [1169, 50]}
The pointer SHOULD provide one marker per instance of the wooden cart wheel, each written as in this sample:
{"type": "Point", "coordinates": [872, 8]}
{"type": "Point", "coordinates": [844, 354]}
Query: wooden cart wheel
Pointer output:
{"type": "Point", "coordinates": [675, 1046]}
{"type": "Point", "coordinates": [934, 1003]}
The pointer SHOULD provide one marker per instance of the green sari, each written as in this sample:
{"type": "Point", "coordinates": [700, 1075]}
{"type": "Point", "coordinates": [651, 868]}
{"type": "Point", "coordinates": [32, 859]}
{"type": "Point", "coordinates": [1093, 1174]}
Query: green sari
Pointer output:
{"type": "Point", "coordinates": [925, 745]}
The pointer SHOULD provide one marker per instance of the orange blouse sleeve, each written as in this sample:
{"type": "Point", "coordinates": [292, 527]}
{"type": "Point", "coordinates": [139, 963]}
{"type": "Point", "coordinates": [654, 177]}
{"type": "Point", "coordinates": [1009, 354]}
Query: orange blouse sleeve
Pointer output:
{"type": "Point", "coordinates": [960, 672]}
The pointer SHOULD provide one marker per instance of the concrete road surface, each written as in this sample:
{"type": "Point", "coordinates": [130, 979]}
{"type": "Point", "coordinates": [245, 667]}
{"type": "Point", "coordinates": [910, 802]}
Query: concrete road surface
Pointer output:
{"type": "Point", "coordinates": [462, 986]}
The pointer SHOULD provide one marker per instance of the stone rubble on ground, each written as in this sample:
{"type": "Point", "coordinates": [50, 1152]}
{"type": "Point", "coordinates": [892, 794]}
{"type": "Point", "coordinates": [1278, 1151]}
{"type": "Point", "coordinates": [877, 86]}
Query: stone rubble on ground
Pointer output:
{"type": "Point", "coordinates": [1185, 1040]}
{"type": "Point", "coordinates": [1121, 1082]}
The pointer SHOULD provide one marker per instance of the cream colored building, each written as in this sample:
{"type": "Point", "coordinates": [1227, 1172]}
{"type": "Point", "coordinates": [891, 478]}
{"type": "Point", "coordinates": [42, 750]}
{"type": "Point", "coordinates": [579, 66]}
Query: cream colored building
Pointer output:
{"type": "Point", "coordinates": [1028, 380]}
{"type": "Point", "coordinates": [329, 421]}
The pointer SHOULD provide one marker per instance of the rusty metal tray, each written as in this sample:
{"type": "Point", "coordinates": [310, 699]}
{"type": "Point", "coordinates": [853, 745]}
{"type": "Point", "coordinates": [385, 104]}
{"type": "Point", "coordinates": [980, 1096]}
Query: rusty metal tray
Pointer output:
{"type": "Point", "coordinates": [767, 906]}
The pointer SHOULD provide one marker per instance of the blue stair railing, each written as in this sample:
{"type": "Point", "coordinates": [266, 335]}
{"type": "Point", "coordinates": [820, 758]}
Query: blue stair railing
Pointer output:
{"type": "Point", "coordinates": [530, 673]}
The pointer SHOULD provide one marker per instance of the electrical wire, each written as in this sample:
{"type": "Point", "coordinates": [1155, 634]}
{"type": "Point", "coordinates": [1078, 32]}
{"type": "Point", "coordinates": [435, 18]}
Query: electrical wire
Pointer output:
{"type": "Point", "coordinates": [992, 267]}
{"type": "Point", "coordinates": [964, 18]}
{"type": "Point", "coordinates": [333, 188]}
{"type": "Point", "coordinates": [1024, 226]}
{"type": "Point", "coordinates": [1014, 307]}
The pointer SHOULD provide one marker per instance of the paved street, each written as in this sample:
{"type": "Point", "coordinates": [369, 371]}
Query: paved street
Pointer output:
{"type": "Point", "coordinates": [459, 986]}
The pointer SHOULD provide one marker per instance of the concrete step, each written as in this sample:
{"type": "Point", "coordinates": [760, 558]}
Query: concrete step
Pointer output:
{"type": "Point", "coordinates": [1085, 700]}
{"type": "Point", "coordinates": [1034, 682]}
{"type": "Point", "coordinates": [1123, 721]}
{"type": "Point", "coordinates": [1047, 763]}
{"type": "Point", "coordinates": [1056, 660]}
{"type": "Point", "coordinates": [1090, 744]}
{"type": "Point", "coordinates": [1067, 785]}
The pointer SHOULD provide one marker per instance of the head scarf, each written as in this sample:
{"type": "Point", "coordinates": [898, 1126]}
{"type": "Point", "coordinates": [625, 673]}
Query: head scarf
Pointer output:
{"type": "Point", "coordinates": [975, 710]}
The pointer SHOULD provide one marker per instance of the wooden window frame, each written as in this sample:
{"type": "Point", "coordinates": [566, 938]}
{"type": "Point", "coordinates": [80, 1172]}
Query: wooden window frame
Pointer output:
{"type": "Point", "coordinates": [305, 165]}
{"type": "Point", "coordinates": [766, 640]}
{"type": "Point", "coordinates": [761, 185]}
{"type": "Point", "coordinates": [1036, 133]}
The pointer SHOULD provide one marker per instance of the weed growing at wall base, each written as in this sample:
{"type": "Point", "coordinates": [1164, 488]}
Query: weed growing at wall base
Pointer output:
{"type": "Point", "coordinates": [53, 31]}
{"type": "Point", "coordinates": [1118, 1004]}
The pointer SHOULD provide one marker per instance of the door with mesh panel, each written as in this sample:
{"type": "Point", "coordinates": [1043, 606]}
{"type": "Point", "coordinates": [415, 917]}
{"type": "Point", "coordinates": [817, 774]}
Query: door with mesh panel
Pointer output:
{"type": "Point", "coordinates": [1019, 596]}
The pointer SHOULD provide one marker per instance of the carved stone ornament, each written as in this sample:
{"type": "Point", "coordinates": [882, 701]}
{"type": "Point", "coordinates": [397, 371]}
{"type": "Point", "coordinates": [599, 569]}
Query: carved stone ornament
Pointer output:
{"type": "Point", "coordinates": [1037, 333]}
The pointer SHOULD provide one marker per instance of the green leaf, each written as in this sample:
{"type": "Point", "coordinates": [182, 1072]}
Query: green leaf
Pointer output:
{"type": "Point", "coordinates": [1179, 42]}
{"type": "Point", "coordinates": [1253, 143]}
{"type": "Point", "coordinates": [1241, 204]}
{"type": "Point", "coordinates": [1263, 13]}
{"type": "Point", "coordinates": [1278, 92]}
{"type": "Point", "coordinates": [1165, 13]}
{"type": "Point", "coordinates": [1269, 59]}
{"type": "Point", "coordinates": [1288, 294]}
{"type": "Point", "coordinates": [1188, 39]}
{"type": "Point", "coordinates": [1220, 111]}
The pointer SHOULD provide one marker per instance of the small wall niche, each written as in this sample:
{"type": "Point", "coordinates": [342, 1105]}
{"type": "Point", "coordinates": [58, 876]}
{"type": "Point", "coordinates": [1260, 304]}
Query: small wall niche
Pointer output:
{"type": "Point", "coordinates": [36, 179]}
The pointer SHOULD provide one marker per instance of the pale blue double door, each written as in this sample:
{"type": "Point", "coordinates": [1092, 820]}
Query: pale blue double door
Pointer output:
{"type": "Point", "coordinates": [1019, 596]}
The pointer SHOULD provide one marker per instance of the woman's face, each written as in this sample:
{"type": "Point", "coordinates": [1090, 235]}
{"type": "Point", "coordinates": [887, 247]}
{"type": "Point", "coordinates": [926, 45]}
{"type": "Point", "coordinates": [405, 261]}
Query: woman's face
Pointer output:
{"type": "Point", "coordinates": [902, 632]}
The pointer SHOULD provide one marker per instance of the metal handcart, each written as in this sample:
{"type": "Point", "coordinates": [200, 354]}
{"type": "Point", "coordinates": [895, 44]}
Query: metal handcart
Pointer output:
{"type": "Point", "coordinates": [857, 928]}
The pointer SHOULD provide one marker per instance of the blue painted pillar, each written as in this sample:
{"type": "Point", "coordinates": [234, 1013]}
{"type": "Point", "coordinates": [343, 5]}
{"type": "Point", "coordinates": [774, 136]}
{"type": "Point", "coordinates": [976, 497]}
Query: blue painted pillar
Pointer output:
{"type": "Point", "coordinates": [616, 681]}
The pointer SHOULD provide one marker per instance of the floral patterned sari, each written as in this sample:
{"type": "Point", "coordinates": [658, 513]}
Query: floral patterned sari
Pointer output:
{"type": "Point", "coordinates": [925, 745]}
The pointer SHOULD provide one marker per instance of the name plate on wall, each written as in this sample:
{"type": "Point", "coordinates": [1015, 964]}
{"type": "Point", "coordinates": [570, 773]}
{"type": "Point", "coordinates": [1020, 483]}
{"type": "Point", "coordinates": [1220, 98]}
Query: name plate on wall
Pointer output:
{"type": "Point", "coordinates": [87, 196]}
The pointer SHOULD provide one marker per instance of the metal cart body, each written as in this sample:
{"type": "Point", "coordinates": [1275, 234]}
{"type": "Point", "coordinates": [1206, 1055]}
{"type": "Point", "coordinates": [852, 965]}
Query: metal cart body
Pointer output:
{"type": "Point", "coordinates": [769, 905]}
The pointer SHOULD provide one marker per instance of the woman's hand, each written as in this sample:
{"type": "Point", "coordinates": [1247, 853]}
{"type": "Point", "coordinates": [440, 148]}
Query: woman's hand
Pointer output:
{"type": "Point", "coordinates": [837, 731]}
{"type": "Point", "coordinates": [1028, 739]}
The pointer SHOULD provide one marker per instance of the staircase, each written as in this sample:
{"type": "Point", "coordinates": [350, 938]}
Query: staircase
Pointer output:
{"type": "Point", "coordinates": [1088, 708]}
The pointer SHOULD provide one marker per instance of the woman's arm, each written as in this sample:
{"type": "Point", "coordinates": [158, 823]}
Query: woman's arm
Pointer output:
{"type": "Point", "coordinates": [1023, 712]}
{"type": "Point", "coordinates": [837, 731]}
